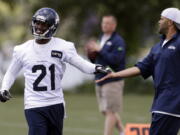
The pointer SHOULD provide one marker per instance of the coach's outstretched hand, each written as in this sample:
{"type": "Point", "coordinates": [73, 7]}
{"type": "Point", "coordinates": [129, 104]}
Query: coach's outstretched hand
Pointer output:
{"type": "Point", "coordinates": [110, 75]}
{"type": "Point", "coordinates": [5, 95]}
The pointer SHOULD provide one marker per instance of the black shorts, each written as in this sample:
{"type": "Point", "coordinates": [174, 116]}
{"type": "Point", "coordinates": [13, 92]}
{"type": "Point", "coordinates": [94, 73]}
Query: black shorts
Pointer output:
{"type": "Point", "coordinates": [164, 124]}
{"type": "Point", "coordinates": [45, 120]}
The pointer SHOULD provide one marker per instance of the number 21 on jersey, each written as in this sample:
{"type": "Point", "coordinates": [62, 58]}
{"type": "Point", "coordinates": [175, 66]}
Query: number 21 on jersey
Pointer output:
{"type": "Point", "coordinates": [43, 73]}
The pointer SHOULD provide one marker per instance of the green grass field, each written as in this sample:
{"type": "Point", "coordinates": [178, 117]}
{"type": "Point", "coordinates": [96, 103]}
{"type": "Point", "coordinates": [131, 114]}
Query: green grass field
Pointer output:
{"type": "Point", "coordinates": [83, 117]}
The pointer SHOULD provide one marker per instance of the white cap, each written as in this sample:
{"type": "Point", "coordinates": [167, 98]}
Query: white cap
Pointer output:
{"type": "Point", "coordinates": [172, 14]}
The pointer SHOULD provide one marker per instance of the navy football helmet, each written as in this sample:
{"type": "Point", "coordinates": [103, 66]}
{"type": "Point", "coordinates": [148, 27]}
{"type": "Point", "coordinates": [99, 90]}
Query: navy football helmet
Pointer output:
{"type": "Point", "coordinates": [48, 16]}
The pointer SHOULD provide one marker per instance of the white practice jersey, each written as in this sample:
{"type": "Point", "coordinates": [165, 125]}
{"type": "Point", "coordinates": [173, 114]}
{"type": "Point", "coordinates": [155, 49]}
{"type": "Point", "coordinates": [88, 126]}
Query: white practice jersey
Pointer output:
{"type": "Point", "coordinates": [43, 67]}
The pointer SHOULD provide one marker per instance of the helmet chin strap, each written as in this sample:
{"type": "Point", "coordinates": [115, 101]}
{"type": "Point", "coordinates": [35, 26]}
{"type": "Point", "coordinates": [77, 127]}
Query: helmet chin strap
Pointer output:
{"type": "Point", "coordinates": [40, 36]}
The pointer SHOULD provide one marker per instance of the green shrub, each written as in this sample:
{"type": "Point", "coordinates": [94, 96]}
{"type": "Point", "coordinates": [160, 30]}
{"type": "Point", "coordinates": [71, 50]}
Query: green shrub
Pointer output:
{"type": "Point", "coordinates": [138, 85]}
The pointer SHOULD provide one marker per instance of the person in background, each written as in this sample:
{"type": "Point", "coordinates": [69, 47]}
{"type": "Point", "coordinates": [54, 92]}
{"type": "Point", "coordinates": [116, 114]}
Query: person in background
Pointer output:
{"type": "Point", "coordinates": [162, 63]}
{"type": "Point", "coordinates": [43, 62]}
{"type": "Point", "coordinates": [109, 52]}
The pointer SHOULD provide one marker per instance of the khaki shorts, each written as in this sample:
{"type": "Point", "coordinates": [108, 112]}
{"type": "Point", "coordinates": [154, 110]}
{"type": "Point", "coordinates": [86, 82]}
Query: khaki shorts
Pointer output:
{"type": "Point", "coordinates": [110, 96]}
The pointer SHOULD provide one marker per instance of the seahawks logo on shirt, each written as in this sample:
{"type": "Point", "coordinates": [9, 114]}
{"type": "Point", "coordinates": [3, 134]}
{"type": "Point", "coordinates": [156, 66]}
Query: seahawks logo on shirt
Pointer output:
{"type": "Point", "coordinates": [57, 54]}
{"type": "Point", "coordinates": [171, 47]}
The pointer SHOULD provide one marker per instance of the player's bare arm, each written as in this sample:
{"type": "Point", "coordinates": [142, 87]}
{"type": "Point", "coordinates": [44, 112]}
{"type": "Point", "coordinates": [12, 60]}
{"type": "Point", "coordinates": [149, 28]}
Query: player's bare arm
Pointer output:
{"type": "Point", "coordinates": [129, 72]}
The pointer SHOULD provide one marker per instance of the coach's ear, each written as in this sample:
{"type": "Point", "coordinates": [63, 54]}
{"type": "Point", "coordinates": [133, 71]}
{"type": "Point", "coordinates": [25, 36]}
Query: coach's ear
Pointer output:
{"type": "Point", "coordinates": [5, 95]}
{"type": "Point", "coordinates": [102, 69]}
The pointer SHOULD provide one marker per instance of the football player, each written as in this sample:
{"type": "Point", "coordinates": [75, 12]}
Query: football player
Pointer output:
{"type": "Point", "coordinates": [43, 63]}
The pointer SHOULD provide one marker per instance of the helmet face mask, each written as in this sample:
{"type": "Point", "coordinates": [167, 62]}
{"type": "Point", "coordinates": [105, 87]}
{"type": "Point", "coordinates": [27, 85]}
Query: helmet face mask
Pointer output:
{"type": "Point", "coordinates": [47, 17]}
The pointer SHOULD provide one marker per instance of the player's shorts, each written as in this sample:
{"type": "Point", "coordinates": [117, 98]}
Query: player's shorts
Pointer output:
{"type": "Point", "coordinates": [164, 124]}
{"type": "Point", "coordinates": [45, 120]}
{"type": "Point", "coordinates": [110, 96]}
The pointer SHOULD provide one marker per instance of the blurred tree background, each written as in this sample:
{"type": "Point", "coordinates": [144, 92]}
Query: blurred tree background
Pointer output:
{"type": "Point", "coordinates": [80, 20]}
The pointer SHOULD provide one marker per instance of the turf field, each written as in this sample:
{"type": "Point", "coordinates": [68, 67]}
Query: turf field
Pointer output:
{"type": "Point", "coordinates": [83, 117]}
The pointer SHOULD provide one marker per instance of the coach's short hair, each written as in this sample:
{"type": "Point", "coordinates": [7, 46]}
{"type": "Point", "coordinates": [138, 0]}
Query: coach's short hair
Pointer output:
{"type": "Point", "coordinates": [111, 15]}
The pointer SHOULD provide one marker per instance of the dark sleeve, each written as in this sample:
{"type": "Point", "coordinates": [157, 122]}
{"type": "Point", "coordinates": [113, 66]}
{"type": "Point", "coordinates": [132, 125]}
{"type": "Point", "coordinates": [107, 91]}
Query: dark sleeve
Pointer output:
{"type": "Point", "coordinates": [116, 55]}
{"type": "Point", "coordinates": [146, 66]}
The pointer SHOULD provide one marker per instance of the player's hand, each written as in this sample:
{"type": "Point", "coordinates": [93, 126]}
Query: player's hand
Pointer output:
{"type": "Point", "coordinates": [4, 95]}
{"type": "Point", "coordinates": [110, 75]}
{"type": "Point", "coordinates": [102, 69]}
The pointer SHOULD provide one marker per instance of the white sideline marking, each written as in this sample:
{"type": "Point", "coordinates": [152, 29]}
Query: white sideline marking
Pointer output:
{"type": "Point", "coordinates": [66, 129]}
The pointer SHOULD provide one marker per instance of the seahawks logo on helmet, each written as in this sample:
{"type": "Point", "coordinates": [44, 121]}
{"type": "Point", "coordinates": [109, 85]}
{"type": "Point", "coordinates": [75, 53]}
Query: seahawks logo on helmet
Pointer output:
{"type": "Point", "coordinates": [46, 15]}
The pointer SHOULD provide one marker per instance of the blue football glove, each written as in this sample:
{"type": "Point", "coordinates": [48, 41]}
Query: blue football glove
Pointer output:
{"type": "Point", "coordinates": [5, 95]}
